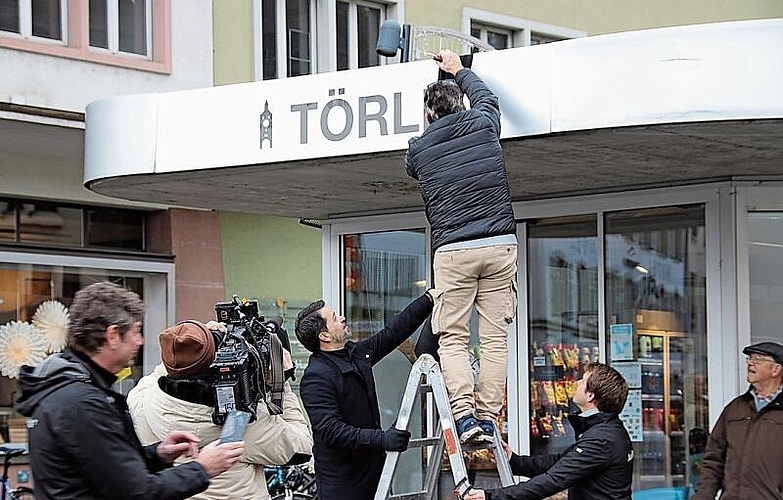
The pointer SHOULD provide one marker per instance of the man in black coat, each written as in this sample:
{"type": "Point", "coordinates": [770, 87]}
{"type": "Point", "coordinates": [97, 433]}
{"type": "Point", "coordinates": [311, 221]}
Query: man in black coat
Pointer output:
{"type": "Point", "coordinates": [462, 176]}
{"type": "Point", "coordinates": [82, 442]}
{"type": "Point", "coordinates": [338, 392]}
{"type": "Point", "coordinates": [599, 466]}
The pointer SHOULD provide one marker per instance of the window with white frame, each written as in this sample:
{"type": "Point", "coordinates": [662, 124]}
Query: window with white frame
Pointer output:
{"type": "Point", "coordinates": [358, 25]}
{"type": "Point", "coordinates": [500, 38]}
{"type": "Point", "coordinates": [287, 38]}
{"type": "Point", "coordinates": [42, 19]}
{"type": "Point", "coordinates": [121, 26]}
{"type": "Point", "coordinates": [128, 33]}
{"type": "Point", "coordinates": [502, 31]}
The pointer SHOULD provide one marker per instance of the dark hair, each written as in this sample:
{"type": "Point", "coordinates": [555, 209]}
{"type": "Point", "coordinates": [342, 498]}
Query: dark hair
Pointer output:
{"type": "Point", "coordinates": [608, 387]}
{"type": "Point", "coordinates": [95, 308]}
{"type": "Point", "coordinates": [309, 325]}
{"type": "Point", "coordinates": [442, 98]}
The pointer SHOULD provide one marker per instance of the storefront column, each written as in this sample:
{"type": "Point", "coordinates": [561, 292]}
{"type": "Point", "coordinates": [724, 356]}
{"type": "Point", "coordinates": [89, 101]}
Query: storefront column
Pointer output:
{"type": "Point", "coordinates": [193, 237]}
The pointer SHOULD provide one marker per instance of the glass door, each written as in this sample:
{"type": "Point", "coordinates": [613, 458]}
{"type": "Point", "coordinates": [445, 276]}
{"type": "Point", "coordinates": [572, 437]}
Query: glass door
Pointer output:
{"type": "Point", "coordinates": [562, 268]}
{"type": "Point", "coordinates": [657, 337]}
{"type": "Point", "coordinates": [383, 273]}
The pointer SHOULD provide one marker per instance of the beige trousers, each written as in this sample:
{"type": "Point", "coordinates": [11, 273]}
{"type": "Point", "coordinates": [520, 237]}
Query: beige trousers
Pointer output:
{"type": "Point", "coordinates": [485, 278]}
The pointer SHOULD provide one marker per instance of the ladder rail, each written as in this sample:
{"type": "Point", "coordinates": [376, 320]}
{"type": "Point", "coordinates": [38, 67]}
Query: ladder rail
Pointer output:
{"type": "Point", "coordinates": [426, 374]}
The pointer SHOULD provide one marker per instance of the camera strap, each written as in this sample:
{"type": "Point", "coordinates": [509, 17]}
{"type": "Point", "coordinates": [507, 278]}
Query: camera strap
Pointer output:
{"type": "Point", "coordinates": [275, 394]}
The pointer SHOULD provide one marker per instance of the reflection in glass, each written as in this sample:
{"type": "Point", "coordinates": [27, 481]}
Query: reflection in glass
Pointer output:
{"type": "Point", "coordinates": [563, 322]}
{"type": "Point", "coordinates": [115, 228]}
{"type": "Point", "coordinates": [765, 256]}
{"type": "Point", "coordinates": [99, 31]}
{"type": "Point", "coordinates": [42, 222]}
{"type": "Point", "coordinates": [657, 334]}
{"type": "Point", "coordinates": [343, 58]}
{"type": "Point", "coordinates": [27, 290]}
{"type": "Point", "coordinates": [538, 39]}
{"type": "Point", "coordinates": [47, 22]}
{"type": "Point", "coordinates": [497, 40]}
{"type": "Point", "coordinates": [269, 37]}
{"type": "Point", "coordinates": [298, 28]}
{"type": "Point", "coordinates": [9, 15]}
{"type": "Point", "coordinates": [7, 221]}
{"type": "Point", "coordinates": [133, 26]}
{"type": "Point", "coordinates": [383, 273]}
{"type": "Point", "coordinates": [368, 21]}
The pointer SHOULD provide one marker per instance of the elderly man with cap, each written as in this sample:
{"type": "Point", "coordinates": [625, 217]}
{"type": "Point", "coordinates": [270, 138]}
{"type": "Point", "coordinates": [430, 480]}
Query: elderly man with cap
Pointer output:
{"type": "Point", "coordinates": [742, 459]}
{"type": "Point", "coordinates": [178, 395]}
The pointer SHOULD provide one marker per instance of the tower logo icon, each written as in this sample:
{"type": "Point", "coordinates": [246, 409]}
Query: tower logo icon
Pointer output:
{"type": "Point", "coordinates": [266, 126]}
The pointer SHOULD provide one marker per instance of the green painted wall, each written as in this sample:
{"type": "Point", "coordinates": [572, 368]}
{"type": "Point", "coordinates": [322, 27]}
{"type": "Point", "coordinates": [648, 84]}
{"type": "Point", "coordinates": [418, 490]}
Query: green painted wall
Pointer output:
{"type": "Point", "coordinates": [232, 31]}
{"type": "Point", "coordinates": [271, 257]}
{"type": "Point", "coordinates": [596, 16]}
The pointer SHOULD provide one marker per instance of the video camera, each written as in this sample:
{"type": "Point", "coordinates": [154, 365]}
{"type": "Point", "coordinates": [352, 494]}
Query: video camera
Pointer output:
{"type": "Point", "coordinates": [248, 362]}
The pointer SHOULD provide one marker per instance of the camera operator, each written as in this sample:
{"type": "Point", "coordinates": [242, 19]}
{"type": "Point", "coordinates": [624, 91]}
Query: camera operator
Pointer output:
{"type": "Point", "coordinates": [179, 395]}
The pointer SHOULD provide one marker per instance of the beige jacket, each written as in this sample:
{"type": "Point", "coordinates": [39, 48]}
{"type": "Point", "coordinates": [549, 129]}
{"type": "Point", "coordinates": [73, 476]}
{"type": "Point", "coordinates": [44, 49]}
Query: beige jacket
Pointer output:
{"type": "Point", "coordinates": [270, 440]}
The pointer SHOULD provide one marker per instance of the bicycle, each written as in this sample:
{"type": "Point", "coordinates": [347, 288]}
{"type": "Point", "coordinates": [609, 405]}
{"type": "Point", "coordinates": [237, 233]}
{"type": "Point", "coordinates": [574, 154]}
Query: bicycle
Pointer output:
{"type": "Point", "coordinates": [290, 483]}
{"type": "Point", "coordinates": [9, 493]}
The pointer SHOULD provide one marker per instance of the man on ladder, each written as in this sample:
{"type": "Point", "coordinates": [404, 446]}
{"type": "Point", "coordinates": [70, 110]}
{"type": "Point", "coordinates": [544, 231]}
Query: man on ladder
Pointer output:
{"type": "Point", "coordinates": [461, 171]}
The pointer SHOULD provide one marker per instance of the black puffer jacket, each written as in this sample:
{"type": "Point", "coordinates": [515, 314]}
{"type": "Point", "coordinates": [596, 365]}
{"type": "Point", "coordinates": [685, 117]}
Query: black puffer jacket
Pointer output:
{"type": "Point", "coordinates": [599, 466]}
{"type": "Point", "coordinates": [461, 171]}
{"type": "Point", "coordinates": [82, 442]}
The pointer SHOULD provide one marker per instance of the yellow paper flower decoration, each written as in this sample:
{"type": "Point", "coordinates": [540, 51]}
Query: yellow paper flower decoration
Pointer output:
{"type": "Point", "coordinates": [20, 344]}
{"type": "Point", "coordinates": [51, 319]}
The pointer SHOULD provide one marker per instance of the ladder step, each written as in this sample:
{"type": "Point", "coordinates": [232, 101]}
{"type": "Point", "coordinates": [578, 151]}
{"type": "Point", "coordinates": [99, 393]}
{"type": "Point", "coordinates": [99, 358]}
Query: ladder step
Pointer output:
{"type": "Point", "coordinates": [426, 376]}
{"type": "Point", "coordinates": [422, 442]}
{"type": "Point", "coordinates": [418, 495]}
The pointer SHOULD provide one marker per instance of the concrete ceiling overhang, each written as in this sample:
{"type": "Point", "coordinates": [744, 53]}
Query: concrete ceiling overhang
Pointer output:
{"type": "Point", "coordinates": [595, 161]}
{"type": "Point", "coordinates": [632, 110]}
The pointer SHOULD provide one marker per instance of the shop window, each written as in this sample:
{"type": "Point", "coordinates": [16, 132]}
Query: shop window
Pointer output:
{"type": "Point", "coordinates": [765, 255]}
{"type": "Point", "coordinates": [7, 221]}
{"type": "Point", "coordinates": [383, 273]}
{"type": "Point", "coordinates": [34, 302]}
{"type": "Point", "coordinates": [115, 228]}
{"type": "Point", "coordinates": [42, 19]}
{"type": "Point", "coordinates": [46, 223]}
{"type": "Point", "coordinates": [657, 337]}
{"type": "Point", "coordinates": [563, 323]}
{"type": "Point", "coordinates": [121, 26]}
{"type": "Point", "coordinates": [358, 25]}
{"type": "Point", "coordinates": [49, 223]}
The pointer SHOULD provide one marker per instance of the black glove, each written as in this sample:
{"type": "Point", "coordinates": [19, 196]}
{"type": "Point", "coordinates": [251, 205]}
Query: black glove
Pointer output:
{"type": "Point", "coordinates": [394, 439]}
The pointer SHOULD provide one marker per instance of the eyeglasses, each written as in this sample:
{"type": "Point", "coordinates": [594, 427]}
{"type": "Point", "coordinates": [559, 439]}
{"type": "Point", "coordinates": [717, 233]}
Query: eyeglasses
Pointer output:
{"type": "Point", "coordinates": [755, 359]}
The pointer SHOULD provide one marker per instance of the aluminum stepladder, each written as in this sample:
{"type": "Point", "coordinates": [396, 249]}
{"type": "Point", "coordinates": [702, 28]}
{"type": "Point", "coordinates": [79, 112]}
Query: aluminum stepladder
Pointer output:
{"type": "Point", "coordinates": [426, 376]}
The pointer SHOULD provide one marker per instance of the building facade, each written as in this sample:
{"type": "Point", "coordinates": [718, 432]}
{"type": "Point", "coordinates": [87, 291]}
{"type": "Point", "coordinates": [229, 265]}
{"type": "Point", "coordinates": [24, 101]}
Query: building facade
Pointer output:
{"type": "Point", "coordinates": [641, 162]}
{"type": "Point", "coordinates": [647, 238]}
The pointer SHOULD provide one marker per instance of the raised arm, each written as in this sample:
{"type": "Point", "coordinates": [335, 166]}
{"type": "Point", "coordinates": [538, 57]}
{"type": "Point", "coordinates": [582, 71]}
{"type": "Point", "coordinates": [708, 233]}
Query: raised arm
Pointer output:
{"type": "Point", "coordinates": [400, 328]}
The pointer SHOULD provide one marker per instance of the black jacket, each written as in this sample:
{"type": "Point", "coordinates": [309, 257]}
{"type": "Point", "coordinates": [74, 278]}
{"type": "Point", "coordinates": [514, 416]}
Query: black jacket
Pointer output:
{"type": "Point", "coordinates": [82, 442]}
{"type": "Point", "coordinates": [338, 391]}
{"type": "Point", "coordinates": [461, 171]}
{"type": "Point", "coordinates": [599, 466]}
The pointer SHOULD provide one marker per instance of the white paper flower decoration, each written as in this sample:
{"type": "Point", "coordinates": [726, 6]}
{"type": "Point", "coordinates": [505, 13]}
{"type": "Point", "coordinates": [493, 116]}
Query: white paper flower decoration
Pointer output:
{"type": "Point", "coordinates": [51, 320]}
{"type": "Point", "coordinates": [20, 344]}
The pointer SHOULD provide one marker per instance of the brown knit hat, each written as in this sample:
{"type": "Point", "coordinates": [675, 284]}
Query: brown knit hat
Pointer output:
{"type": "Point", "coordinates": [187, 349]}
